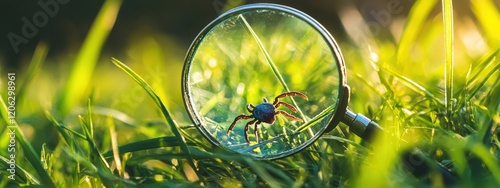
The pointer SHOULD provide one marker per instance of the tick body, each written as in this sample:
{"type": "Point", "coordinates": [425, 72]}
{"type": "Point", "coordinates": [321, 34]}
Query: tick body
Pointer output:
{"type": "Point", "coordinates": [266, 112]}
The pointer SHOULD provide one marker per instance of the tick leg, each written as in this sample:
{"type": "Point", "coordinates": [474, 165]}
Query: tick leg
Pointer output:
{"type": "Point", "coordinates": [291, 93]}
{"type": "Point", "coordinates": [250, 109]}
{"type": "Point", "coordinates": [246, 130]}
{"type": "Point", "coordinates": [285, 104]}
{"type": "Point", "coordinates": [236, 119]}
{"type": "Point", "coordinates": [256, 128]}
{"type": "Point", "coordinates": [288, 115]}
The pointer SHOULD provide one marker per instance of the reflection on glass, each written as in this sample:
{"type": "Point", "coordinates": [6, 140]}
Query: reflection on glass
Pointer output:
{"type": "Point", "coordinates": [260, 54]}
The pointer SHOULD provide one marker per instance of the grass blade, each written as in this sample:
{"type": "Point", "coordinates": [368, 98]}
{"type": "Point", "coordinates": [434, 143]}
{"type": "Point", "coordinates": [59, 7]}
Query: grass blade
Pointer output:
{"type": "Point", "coordinates": [416, 19]}
{"type": "Point", "coordinates": [100, 165]}
{"type": "Point", "coordinates": [316, 119]}
{"type": "Point", "coordinates": [88, 132]}
{"type": "Point", "coordinates": [449, 62]}
{"type": "Point", "coordinates": [271, 64]}
{"type": "Point", "coordinates": [167, 141]}
{"type": "Point", "coordinates": [489, 161]}
{"type": "Point", "coordinates": [483, 82]}
{"type": "Point", "coordinates": [262, 173]}
{"type": "Point", "coordinates": [114, 146]}
{"type": "Point", "coordinates": [66, 137]}
{"type": "Point", "coordinates": [482, 65]}
{"type": "Point", "coordinates": [489, 17]}
{"type": "Point", "coordinates": [163, 108]}
{"type": "Point", "coordinates": [29, 151]}
{"type": "Point", "coordinates": [39, 56]}
{"type": "Point", "coordinates": [21, 174]}
{"type": "Point", "coordinates": [414, 86]}
{"type": "Point", "coordinates": [88, 55]}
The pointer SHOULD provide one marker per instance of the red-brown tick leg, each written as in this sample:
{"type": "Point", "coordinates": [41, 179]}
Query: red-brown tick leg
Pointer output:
{"type": "Point", "coordinates": [285, 104]}
{"type": "Point", "coordinates": [291, 93]}
{"type": "Point", "coordinates": [246, 130]}
{"type": "Point", "coordinates": [255, 129]}
{"type": "Point", "coordinates": [236, 119]}
{"type": "Point", "coordinates": [288, 115]}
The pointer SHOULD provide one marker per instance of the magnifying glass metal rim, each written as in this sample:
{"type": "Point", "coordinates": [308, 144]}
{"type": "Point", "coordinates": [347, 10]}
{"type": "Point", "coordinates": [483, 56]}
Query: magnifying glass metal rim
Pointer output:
{"type": "Point", "coordinates": [343, 90]}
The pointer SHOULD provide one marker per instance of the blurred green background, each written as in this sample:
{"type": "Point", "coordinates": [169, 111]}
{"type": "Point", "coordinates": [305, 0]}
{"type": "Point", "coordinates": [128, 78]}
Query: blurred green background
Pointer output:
{"type": "Point", "coordinates": [397, 55]}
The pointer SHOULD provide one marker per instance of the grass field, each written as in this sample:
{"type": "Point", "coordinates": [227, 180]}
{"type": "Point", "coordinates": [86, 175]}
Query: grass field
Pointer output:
{"type": "Point", "coordinates": [122, 122]}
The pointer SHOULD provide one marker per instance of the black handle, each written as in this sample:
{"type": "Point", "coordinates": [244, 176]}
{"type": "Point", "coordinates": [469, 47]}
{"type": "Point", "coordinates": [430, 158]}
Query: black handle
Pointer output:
{"type": "Point", "coordinates": [416, 162]}
{"type": "Point", "coordinates": [420, 165]}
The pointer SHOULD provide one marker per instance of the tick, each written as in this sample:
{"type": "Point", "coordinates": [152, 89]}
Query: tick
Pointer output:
{"type": "Point", "coordinates": [266, 112]}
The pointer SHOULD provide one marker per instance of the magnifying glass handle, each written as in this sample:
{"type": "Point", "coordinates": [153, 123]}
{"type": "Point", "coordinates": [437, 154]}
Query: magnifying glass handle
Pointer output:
{"type": "Point", "coordinates": [361, 125]}
{"type": "Point", "coordinates": [415, 161]}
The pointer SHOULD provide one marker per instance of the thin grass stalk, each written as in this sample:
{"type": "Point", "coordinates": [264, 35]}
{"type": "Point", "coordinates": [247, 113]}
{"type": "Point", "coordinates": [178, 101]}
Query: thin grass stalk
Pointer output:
{"type": "Point", "coordinates": [271, 64]}
{"type": "Point", "coordinates": [276, 72]}
{"type": "Point", "coordinates": [31, 156]}
{"type": "Point", "coordinates": [173, 125]}
{"type": "Point", "coordinates": [21, 173]}
{"type": "Point", "coordinates": [114, 146]}
{"type": "Point", "coordinates": [449, 61]}
{"type": "Point", "coordinates": [488, 16]}
{"type": "Point", "coordinates": [87, 57]}
{"type": "Point", "coordinates": [167, 141]}
{"type": "Point", "coordinates": [35, 65]}
{"type": "Point", "coordinates": [416, 18]}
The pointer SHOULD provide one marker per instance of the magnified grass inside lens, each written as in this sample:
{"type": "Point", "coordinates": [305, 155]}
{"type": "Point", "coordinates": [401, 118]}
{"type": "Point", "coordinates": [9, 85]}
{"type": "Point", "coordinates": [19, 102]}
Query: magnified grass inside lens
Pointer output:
{"type": "Point", "coordinates": [229, 69]}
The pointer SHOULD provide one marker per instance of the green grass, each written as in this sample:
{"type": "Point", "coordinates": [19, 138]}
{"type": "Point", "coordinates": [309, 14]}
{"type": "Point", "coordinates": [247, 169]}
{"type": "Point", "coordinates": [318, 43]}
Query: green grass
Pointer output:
{"type": "Point", "coordinates": [86, 60]}
{"type": "Point", "coordinates": [129, 126]}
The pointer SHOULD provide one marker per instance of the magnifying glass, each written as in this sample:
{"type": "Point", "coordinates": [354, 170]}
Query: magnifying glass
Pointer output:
{"type": "Point", "coordinates": [267, 81]}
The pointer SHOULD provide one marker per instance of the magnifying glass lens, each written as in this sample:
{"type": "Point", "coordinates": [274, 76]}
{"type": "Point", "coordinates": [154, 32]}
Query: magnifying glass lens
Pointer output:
{"type": "Point", "coordinates": [257, 52]}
